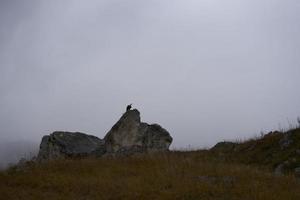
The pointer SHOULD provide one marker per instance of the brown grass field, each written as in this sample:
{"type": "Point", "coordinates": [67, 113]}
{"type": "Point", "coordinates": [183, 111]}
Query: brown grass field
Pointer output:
{"type": "Point", "coordinates": [173, 175]}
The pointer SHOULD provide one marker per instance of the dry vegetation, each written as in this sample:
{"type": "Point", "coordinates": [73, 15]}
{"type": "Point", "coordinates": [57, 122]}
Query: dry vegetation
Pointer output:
{"type": "Point", "coordinates": [229, 171]}
{"type": "Point", "coordinates": [174, 175]}
{"type": "Point", "coordinates": [268, 150]}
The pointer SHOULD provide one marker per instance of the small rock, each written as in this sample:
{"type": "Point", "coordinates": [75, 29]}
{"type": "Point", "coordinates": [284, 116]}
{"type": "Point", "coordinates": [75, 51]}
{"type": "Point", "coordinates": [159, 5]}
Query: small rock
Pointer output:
{"type": "Point", "coordinates": [224, 146]}
{"type": "Point", "coordinates": [297, 171]}
{"type": "Point", "coordinates": [279, 170]}
{"type": "Point", "coordinates": [286, 141]}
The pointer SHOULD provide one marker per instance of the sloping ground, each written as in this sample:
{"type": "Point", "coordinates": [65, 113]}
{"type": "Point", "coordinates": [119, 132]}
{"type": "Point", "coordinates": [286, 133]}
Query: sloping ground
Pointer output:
{"type": "Point", "coordinates": [173, 175]}
{"type": "Point", "coordinates": [277, 150]}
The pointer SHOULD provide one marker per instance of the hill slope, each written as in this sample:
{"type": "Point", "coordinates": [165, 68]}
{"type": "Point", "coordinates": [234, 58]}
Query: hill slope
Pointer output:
{"type": "Point", "coordinates": [173, 175]}
{"type": "Point", "coordinates": [230, 170]}
{"type": "Point", "coordinates": [277, 150]}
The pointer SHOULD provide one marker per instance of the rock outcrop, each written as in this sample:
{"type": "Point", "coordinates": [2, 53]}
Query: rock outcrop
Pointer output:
{"type": "Point", "coordinates": [69, 144]}
{"type": "Point", "coordinates": [128, 136]}
{"type": "Point", "coordinates": [224, 147]}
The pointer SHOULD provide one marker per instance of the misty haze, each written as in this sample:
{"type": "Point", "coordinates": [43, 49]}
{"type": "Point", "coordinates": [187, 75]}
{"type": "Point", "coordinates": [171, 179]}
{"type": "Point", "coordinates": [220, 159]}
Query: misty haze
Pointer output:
{"type": "Point", "coordinates": [206, 70]}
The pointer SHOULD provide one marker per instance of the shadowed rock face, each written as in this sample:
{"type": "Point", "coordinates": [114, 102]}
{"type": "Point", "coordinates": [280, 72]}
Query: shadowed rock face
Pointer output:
{"type": "Point", "coordinates": [157, 138]}
{"type": "Point", "coordinates": [128, 136]}
{"type": "Point", "coordinates": [68, 144]}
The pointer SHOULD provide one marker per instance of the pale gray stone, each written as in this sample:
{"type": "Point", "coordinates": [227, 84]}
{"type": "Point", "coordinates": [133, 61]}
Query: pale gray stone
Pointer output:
{"type": "Point", "coordinates": [286, 141]}
{"type": "Point", "coordinates": [130, 134]}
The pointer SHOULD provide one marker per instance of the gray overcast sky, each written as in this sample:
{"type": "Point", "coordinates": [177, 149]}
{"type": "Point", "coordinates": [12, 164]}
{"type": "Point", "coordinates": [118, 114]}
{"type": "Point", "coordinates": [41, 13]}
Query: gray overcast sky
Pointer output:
{"type": "Point", "coordinates": [206, 70]}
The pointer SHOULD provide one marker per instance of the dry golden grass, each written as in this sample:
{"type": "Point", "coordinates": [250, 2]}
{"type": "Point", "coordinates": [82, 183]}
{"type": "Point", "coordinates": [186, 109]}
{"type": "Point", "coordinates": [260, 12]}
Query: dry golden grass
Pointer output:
{"type": "Point", "coordinates": [174, 175]}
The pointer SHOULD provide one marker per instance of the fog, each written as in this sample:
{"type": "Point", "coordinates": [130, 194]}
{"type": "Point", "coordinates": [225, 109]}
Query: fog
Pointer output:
{"type": "Point", "coordinates": [206, 70]}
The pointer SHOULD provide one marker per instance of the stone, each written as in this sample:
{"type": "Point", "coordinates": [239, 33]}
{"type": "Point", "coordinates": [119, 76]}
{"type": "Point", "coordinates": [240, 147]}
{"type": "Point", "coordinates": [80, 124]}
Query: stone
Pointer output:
{"type": "Point", "coordinates": [129, 134]}
{"type": "Point", "coordinates": [281, 168]}
{"type": "Point", "coordinates": [69, 144]}
{"type": "Point", "coordinates": [224, 147]}
{"type": "Point", "coordinates": [156, 138]}
{"type": "Point", "coordinates": [297, 171]}
{"type": "Point", "coordinates": [286, 141]}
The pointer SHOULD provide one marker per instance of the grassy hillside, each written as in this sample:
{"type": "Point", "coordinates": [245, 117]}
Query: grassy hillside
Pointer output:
{"type": "Point", "coordinates": [272, 150]}
{"type": "Point", "coordinates": [243, 170]}
{"type": "Point", "coordinates": [174, 175]}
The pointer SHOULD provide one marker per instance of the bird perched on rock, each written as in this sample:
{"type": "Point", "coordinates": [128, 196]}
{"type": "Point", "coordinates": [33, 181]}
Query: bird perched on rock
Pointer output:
{"type": "Point", "coordinates": [128, 107]}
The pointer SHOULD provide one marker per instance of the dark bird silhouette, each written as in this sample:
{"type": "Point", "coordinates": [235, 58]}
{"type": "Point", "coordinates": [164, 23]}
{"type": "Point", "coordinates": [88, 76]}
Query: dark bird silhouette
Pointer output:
{"type": "Point", "coordinates": [128, 107]}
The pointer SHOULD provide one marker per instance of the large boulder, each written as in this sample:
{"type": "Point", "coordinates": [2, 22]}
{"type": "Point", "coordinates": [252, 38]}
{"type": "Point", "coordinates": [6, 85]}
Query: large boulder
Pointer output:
{"type": "Point", "coordinates": [130, 135]}
{"type": "Point", "coordinates": [69, 144]}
